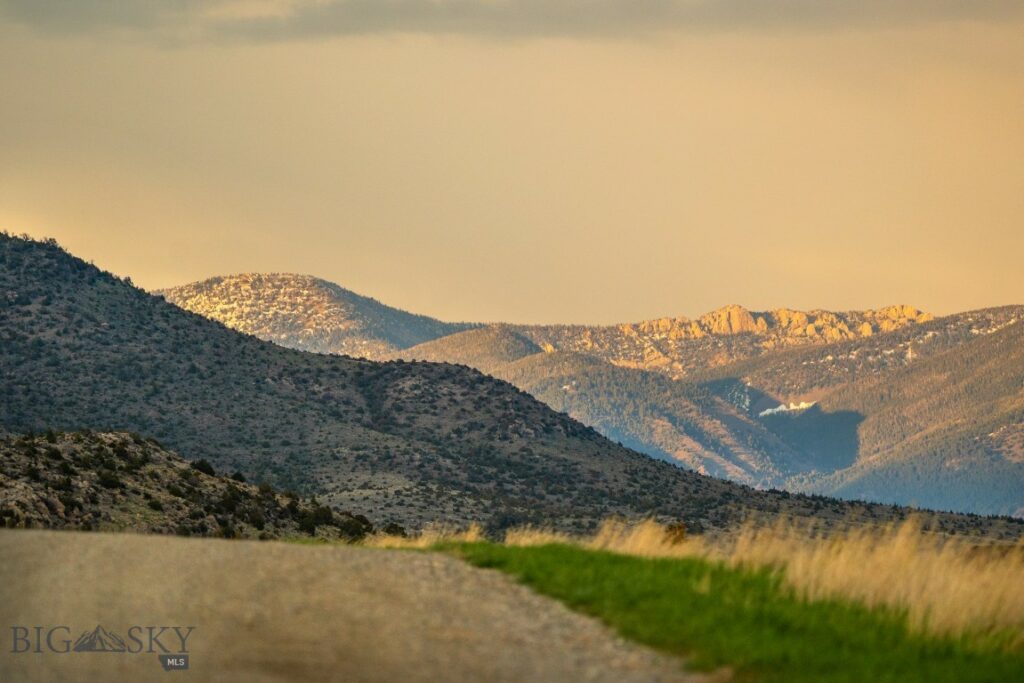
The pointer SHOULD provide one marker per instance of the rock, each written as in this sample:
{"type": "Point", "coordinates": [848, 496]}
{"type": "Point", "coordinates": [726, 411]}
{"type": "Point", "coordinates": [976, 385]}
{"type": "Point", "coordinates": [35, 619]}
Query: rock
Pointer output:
{"type": "Point", "coordinates": [731, 319]}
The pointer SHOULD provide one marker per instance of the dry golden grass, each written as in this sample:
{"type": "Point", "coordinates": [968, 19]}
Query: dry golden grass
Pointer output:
{"type": "Point", "coordinates": [946, 585]}
{"type": "Point", "coordinates": [429, 537]}
{"type": "Point", "coordinates": [530, 536]}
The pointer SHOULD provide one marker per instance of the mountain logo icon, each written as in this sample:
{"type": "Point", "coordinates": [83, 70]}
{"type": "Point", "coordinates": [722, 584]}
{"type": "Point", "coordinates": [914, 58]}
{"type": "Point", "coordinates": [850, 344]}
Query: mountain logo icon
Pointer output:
{"type": "Point", "coordinates": [99, 640]}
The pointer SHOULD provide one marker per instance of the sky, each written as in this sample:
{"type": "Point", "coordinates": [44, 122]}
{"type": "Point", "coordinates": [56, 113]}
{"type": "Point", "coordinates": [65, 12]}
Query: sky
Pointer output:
{"type": "Point", "coordinates": [588, 161]}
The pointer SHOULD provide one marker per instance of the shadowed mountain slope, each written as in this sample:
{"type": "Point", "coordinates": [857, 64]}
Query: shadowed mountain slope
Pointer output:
{"type": "Point", "coordinates": [926, 415]}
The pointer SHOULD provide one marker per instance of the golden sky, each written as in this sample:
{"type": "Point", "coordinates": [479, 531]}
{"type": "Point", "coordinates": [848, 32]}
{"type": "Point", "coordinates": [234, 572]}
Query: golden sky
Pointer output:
{"type": "Point", "coordinates": [557, 161]}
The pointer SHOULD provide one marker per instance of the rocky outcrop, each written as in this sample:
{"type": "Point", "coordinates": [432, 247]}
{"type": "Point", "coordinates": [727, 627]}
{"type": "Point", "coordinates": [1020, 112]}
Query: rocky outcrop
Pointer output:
{"type": "Point", "coordinates": [827, 326]}
{"type": "Point", "coordinates": [678, 346]}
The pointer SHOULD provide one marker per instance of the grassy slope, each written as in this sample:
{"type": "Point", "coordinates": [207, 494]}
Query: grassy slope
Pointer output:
{"type": "Point", "coordinates": [717, 616]}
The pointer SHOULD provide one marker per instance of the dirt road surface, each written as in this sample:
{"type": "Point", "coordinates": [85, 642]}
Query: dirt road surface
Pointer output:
{"type": "Point", "coordinates": [281, 612]}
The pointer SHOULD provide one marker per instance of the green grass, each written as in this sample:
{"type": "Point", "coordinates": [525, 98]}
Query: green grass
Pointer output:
{"type": "Point", "coordinates": [747, 620]}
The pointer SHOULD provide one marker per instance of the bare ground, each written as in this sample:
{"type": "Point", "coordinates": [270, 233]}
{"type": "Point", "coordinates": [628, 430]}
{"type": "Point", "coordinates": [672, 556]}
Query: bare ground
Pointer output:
{"type": "Point", "coordinates": [280, 612]}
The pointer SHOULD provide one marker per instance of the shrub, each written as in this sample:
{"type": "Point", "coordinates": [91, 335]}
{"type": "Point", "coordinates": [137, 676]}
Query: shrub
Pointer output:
{"type": "Point", "coordinates": [393, 529]}
{"type": "Point", "coordinates": [257, 519]}
{"type": "Point", "coordinates": [204, 466]}
{"type": "Point", "coordinates": [309, 520]}
{"type": "Point", "coordinates": [109, 480]}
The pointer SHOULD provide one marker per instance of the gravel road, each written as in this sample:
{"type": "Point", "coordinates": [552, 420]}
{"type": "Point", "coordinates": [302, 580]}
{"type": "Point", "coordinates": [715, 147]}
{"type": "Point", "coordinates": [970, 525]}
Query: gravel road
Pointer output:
{"type": "Point", "coordinates": [280, 612]}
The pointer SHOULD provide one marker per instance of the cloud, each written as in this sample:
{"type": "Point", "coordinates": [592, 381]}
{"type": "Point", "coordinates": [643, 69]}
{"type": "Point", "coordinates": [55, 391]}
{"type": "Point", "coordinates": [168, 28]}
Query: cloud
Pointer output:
{"type": "Point", "coordinates": [272, 20]}
{"type": "Point", "coordinates": [90, 15]}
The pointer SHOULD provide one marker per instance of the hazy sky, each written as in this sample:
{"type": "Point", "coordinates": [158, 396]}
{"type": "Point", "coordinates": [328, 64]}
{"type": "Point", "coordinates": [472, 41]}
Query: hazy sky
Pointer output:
{"type": "Point", "coordinates": [529, 160]}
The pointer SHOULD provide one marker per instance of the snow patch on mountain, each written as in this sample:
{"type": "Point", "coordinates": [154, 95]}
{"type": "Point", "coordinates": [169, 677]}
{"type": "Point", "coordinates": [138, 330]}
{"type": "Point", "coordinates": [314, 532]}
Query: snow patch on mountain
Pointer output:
{"type": "Point", "coordinates": [783, 408]}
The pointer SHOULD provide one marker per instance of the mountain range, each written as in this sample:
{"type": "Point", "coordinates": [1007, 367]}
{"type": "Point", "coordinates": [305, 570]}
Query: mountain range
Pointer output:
{"type": "Point", "coordinates": [396, 442]}
{"type": "Point", "coordinates": [892, 405]}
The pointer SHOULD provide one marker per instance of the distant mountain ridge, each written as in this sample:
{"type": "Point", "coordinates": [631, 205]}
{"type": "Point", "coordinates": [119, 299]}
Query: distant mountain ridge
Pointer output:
{"type": "Point", "coordinates": [679, 346]}
{"type": "Point", "coordinates": [307, 313]}
{"type": "Point", "coordinates": [705, 393]}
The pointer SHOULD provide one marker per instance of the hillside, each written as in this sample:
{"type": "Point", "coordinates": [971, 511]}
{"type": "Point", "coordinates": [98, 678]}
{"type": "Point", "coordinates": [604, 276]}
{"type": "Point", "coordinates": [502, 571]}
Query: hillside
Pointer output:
{"type": "Point", "coordinates": [485, 348]}
{"type": "Point", "coordinates": [945, 424]}
{"type": "Point", "coordinates": [643, 410]}
{"type": "Point", "coordinates": [307, 313]}
{"type": "Point", "coordinates": [397, 442]}
{"type": "Point", "coordinates": [121, 482]}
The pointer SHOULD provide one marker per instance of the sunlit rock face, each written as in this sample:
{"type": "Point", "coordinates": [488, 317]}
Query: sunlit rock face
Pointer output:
{"type": "Point", "coordinates": [678, 346]}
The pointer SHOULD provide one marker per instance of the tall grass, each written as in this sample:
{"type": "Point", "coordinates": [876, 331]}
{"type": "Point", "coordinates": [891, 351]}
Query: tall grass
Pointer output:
{"type": "Point", "coordinates": [428, 538]}
{"type": "Point", "coordinates": [945, 585]}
